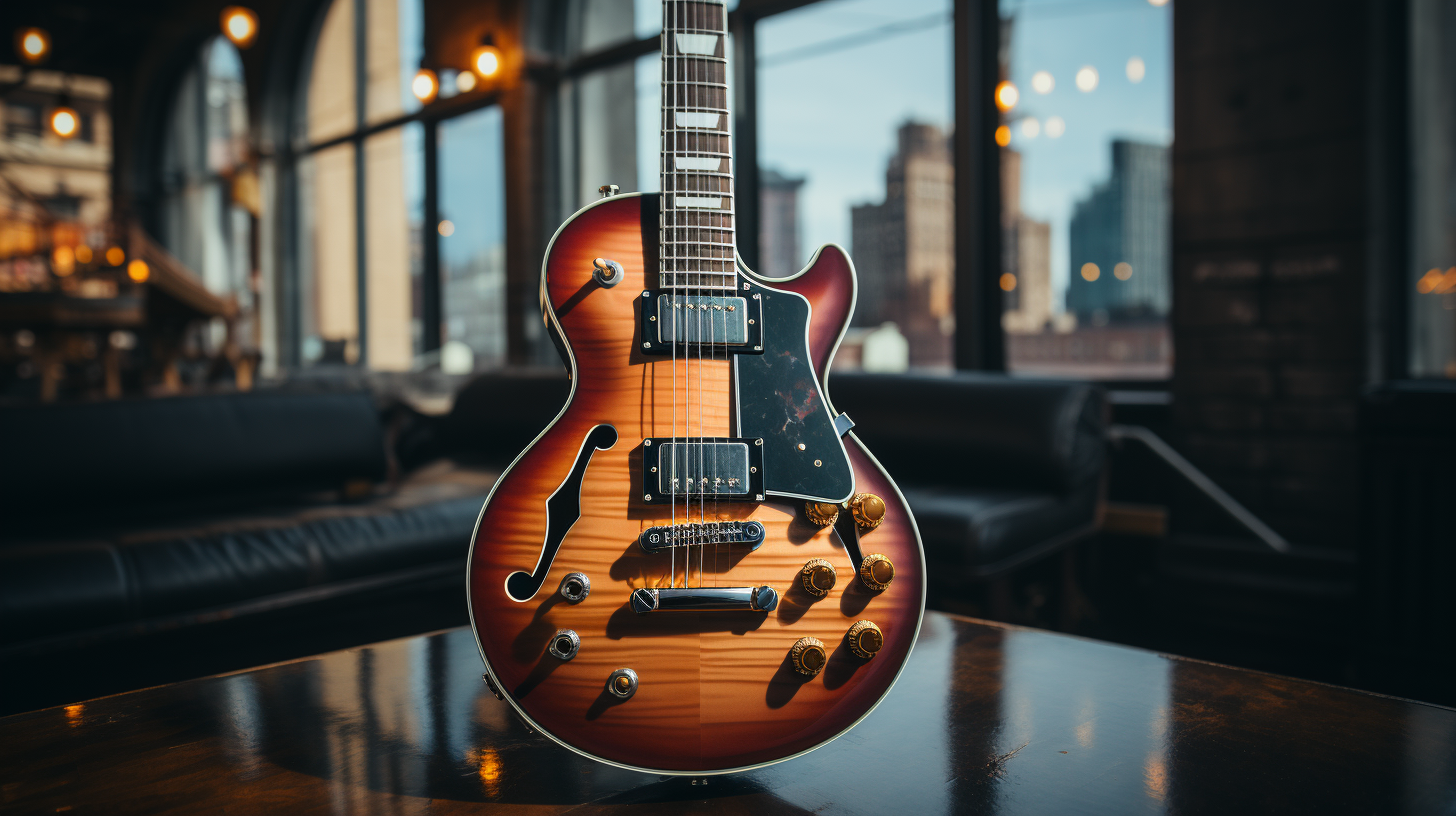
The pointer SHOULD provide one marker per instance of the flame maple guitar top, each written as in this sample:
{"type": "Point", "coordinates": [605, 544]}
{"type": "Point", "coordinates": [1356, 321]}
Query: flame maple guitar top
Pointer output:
{"type": "Point", "coordinates": [716, 689]}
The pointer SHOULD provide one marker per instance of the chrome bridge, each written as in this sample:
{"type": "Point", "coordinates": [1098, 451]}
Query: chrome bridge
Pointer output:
{"type": "Point", "coordinates": [667, 536]}
{"type": "Point", "coordinates": [702, 468]}
{"type": "Point", "coordinates": [705, 599]}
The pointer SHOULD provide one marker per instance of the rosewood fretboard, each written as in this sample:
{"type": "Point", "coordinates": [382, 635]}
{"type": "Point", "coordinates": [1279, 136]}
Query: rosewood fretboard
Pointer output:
{"type": "Point", "coordinates": [697, 157]}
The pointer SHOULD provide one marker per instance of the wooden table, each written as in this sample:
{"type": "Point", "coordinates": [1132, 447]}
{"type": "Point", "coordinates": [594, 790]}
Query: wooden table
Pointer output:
{"type": "Point", "coordinates": [986, 719]}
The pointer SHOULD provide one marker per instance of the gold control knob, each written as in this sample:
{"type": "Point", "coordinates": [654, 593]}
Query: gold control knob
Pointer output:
{"type": "Point", "coordinates": [808, 656]}
{"type": "Point", "coordinates": [818, 576]}
{"type": "Point", "coordinates": [865, 638]}
{"type": "Point", "coordinates": [868, 510]}
{"type": "Point", "coordinates": [821, 513]}
{"type": "Point", "coordinates": [876, 571]}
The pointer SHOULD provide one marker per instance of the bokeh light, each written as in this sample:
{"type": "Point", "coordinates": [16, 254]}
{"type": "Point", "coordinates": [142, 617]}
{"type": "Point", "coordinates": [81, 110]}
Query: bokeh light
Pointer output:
{"type": "Point", "coordinates": [1090, 272]}
{"type": "Point", "coordinates": [1055, 127]}
{"type": "Point", "coordinates": [1136, 70]}
{"type": "Point", "coordinates": [1042, 82]}
{"type": "Point", "coordinates": [1087, 79]}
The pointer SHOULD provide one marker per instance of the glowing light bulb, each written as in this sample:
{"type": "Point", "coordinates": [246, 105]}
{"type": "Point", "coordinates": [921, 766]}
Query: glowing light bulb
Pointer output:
{"type": "Point", "coordinates": [1122, 271]}
{"type": "Point", "coordinates": [465, 82]}
{"type": "Point", "coordinates": [425, 85]}
{"type": "Point", "coordinates": [138, 270]}
{"type": "Point", "coordinates": [63, 260]}
{"type": "Point", "coordinates": [1090, 272]}
{"type": "Point", "coordinates": [1055, 127]}
{"type": "Point", "coordinates": [65, 122]}
{"type": "Point", "coordinates": [1006, 95]}
{"type": "Point", "coordinates": [83, 254]}
{"type": "Point", "coordinates": [240, 25]}
{"type": "Point", "coordinates": [116, 256]}
{"type": "Point", "coordinates": [1008, 282]}
{"type": "Point", "coordinates": [34, 45]}
{"type": "Point", "coordinates": [1136, 70]}
{"type": "Point", "coordinates": [1042, 82]}
{"type": "Point", "coordinates": [1087, 79]}
{"type": "Point", "coordinates": [1003, 135]}
{"type": "Point", "coordinates": [447, 228]}
{"type": "Point", "coordinates": [485, 61]}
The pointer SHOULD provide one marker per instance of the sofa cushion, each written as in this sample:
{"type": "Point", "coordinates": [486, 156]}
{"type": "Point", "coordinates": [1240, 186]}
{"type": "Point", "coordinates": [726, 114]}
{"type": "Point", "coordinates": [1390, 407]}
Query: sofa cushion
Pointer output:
{"type": "Point", "coordinates": [988, 431]}
{"type": "Point", "coordinates": [90, 457]}
{"type": "Point", "coordinates": [980, 533]}
{"type": "Point", "coordinates": [60, 583]}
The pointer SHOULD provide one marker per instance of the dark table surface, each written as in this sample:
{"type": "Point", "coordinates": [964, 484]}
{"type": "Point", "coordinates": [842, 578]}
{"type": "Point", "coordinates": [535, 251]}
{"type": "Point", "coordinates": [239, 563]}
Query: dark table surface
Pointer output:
{"type": "Point", "coordinates": [986, 719]}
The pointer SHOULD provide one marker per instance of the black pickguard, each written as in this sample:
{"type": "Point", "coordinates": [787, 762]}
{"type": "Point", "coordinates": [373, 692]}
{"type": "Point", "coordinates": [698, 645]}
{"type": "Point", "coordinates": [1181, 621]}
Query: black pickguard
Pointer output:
{"type": "Point", "coordinates": [779, 400]}
{"type": "Point", "coordinates": [562, 511]}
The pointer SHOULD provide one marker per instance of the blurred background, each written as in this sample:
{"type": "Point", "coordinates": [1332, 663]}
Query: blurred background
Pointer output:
{"type": "Point", "coordinates": [1183, 272]}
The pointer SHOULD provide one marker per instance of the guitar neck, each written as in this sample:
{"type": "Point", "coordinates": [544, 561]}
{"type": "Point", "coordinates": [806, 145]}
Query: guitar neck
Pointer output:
{"type": "Point", "coordinates": [697, 152]}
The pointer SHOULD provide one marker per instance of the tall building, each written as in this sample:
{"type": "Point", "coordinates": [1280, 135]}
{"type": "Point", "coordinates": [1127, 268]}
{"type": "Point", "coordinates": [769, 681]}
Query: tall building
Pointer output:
{"type": "Point", "coordinates": [904, 247]}
{"type": "Point", "coordinates": [778, 229]}
{"type": "Point", "coordinates": [1026, 248]}
{"type": "Point", "coordinates": [1120, 237]}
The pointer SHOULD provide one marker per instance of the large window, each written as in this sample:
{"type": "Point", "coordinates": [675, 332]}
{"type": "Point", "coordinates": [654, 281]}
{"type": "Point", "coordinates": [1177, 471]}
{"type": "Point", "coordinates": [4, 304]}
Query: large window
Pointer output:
{"type": "Point", "coordinates": [1086, 130]}
{"type": "Point", "coordinates": [376, 284]}
{"type": "Point", "coordinates": [1433, 179]}
{"type": "Point", "coordinates": [876, 178]}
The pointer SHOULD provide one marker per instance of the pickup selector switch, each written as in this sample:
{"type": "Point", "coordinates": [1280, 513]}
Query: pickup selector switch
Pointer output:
{"type": "Point", "coordinates": [868, 510]}
{"type": "Point", "coordinates": [817, 576]}
{"type": "Point", "coordinates": [865, 638]}
{"type": "Point", "coordinates": [808, 656]}
{"type": "Point", "coordinates": [876, 571]}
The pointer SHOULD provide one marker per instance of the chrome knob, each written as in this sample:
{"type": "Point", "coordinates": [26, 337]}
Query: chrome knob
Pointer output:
{"type": "Point", "coordinates": [876, 571]}
{"type": "Point", "coordinates": [764, 599]}
{"type": "Point", "coordinates": [575, 587]}
{"type": "Point", "coordinates": [868, 510]}
{"type": "Point", "coordinates": [818, 577]}
{"type": "Point", "coordinates": [564, 644]}
{"type": "Point", "coordinates": [865, 638]}
{"type": "Point", "coordinates": [821, 513]}
{"type": "Point", "coordinates": [808, 656]}
{"type": "Point", "coordinates": [622, 683]}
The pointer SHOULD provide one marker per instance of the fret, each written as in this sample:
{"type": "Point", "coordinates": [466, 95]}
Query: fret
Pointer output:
{"type": "Point", "coordinates": [697, 214]}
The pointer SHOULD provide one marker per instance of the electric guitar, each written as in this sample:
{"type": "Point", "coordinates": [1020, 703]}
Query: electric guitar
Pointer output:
{"type": "Point", "coordinates": [696, 568]}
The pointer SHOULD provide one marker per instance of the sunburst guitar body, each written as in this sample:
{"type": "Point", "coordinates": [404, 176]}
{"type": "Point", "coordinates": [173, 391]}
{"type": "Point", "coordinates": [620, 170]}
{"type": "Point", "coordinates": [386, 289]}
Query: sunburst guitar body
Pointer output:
{"type": "Point", "coordinates": [697, 567]}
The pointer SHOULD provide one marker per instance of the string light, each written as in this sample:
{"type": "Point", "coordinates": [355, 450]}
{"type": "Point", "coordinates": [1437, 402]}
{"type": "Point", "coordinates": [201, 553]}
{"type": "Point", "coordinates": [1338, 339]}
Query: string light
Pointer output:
{"type": "Point", "coordinates": [1055, 127]}
{"type": "Point", "coordinates": [1087, 79]}
{"type": "Point", "coordinates": [1003, 135]}
{"type": "Point", "coordinates": [425, 86]}
{"type": "Point", "coordinates": [1090, 272]}
{"type": "Point", "coordinates": [1030, 127]}
{"type": "Point", "coordinates": [447, 228]}
{"type": "Point", "coordinates": [485, 61]}
{"type": "Point", "coordinates": [1042, 82]}
{"type": "Point", "coordinates": [138, 270]}
{"type": "Point", "coordinates": [33, 45]}
{"type": "Point", "coordinates": [65, 122]}
{"type": "Point", "coordinates": [1136, 70]}
{"type": "Point", "coordinates": [1006, 95]}
{"type": "Point", "coordinates": [1008, 282]}
{"type": "Point", "coordinates": [240, 25]}
{"type": "Point", "coordinates": [1122, 271]}
{"type": "Point", "coordinates": [116, 256]}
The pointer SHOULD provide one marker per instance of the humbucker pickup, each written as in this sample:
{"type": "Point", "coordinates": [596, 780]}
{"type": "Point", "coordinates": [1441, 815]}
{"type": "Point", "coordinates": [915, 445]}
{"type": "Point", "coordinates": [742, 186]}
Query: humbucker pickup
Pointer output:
{"type": "Point", "coordinates": [702, 468]}
{"type": "Point", "coordinates": [672, 319]}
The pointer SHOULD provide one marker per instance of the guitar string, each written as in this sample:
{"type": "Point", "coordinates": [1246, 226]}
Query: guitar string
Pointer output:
{"type": "Point", "coordinates": [669, 219]}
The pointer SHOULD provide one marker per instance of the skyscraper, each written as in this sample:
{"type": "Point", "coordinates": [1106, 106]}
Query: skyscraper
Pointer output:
{"type": "Point", "coordinates": [904, 247]}
{"type": "Point", "coordinates": [1120, 237]}
{"type": "Point", "coordinates": [1026, 246]}
{"type": "Point", "coordinates": [778, 230]}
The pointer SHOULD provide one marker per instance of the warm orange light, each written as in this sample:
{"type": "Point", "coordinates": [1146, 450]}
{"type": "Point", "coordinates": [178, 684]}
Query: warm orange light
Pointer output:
{"type": "Point", "coordinates": [1448, 282]}
{"type": "Point", "coordinates": [485, 61]}
{"type": "Point", "coordinates": [465, 81]}
{"type": "Point", "coordinates": [1122, 271]}
{"type": "Point", "coordinates": [425, 85]}
{"type": "Point", "coordinates": [1090, 272]}
{"type": "Point", "coordinates": [447, 228]}
{"type": "Point", "coordinates": [1006, 95]}
{"type": "Point", "coordinates": [240, 25]}
{"type": "Point", "coordinates": [1008, 282]}
{"type": "Point", "coordinates": [1428, 281]}
{"type": "Point", "coordinates": [115, 256]}
{"type": "Point", "coordinates": [63, 260]}
{"type": "Point", "coordinates": [33, 45]}
{"type": "Point", "coordinates": [138, 270]}
{"type": "Point", "coordinates": [1003, 135]}
{"type": "Point", "coordinates": [65, 122]}
{"type": "Point", "coordinates": [83, 254]}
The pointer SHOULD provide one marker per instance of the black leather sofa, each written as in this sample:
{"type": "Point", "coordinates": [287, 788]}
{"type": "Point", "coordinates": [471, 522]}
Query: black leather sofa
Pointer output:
{"type": "Point", "coordinates": [172, 537]}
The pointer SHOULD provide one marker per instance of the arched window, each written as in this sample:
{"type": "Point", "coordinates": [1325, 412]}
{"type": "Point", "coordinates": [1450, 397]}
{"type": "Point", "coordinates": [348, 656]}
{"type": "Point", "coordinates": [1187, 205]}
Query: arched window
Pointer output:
{"type": "Point", "coordinates": [207, 188]}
